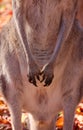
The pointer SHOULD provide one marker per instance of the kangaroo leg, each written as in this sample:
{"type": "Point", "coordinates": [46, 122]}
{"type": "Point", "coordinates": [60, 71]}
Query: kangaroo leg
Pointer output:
{"type": "Point", "coordinates": [12, 99]}
{"type": "Point", "coordinates": [12, 87]}
{"type": "Point", "coordinates": [70, 98]}
{"type": "Point", "coordinates": [69, 111]}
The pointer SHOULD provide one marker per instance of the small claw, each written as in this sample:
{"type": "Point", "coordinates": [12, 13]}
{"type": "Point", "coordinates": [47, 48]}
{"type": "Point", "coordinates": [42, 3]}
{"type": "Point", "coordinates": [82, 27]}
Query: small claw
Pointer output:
{"type": "Point", "coordinates": [38, 77]}
{"type": "Point", "coordinates": [48, 81]}
{"type": "Point", "coordinates": [32, 80]}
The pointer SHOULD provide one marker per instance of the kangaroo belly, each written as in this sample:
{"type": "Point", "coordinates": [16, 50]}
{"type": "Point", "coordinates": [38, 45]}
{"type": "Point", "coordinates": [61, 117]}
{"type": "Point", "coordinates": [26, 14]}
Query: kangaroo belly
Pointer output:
{"type": "Point", "coordinates": [42, 102]}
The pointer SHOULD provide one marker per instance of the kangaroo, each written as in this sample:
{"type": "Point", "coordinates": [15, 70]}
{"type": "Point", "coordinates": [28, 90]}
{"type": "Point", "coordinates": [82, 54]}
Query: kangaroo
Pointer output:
{"type": "Point", "coordinates": [35, 16]}
{"type": "Point", "coordinates": [44, 38]}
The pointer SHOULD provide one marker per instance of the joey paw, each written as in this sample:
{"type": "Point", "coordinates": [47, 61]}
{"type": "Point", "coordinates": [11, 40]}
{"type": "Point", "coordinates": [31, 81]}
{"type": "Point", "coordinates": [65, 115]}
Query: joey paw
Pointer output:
{"type": "Point", "coordinates": [33, 73]}
{"type": "Point", "coordinates": [47, 74]}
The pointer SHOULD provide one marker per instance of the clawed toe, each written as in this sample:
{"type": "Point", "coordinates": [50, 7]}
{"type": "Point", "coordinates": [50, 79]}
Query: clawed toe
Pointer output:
{"type": "Point", "coordinates": [32, 80]}
{"type": "Point", "coordinates": [48, 81]}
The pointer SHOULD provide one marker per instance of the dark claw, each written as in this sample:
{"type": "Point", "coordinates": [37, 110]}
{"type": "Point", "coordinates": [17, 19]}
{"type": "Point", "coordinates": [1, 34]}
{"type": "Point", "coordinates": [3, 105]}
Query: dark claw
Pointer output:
{"type": "Point", "coordinates": [48, 81]}
{"type": "Point", "coordinates": [38, 77]}
{"type": "Point", "coordinates": [32, 80]}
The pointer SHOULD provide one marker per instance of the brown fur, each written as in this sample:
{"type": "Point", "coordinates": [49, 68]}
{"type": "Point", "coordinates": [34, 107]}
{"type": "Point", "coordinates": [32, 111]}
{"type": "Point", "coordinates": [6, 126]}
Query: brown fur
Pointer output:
{"type": "Point", "coordinates": [37, 22]}
{"type": "Point", "coordinates": [66, 89]}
